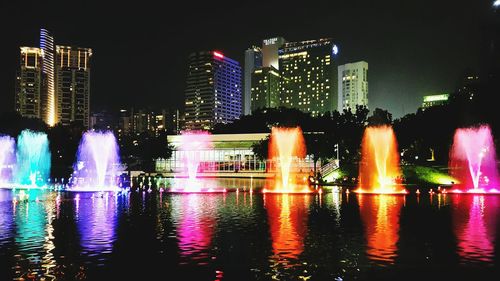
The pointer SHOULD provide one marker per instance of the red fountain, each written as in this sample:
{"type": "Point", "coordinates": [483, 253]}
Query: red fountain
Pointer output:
{"type": "Point", "coordinates": [286, 147]}
{"type": "Point", "coordinates": [473, 162]}
{"type": "Point", "coordinates": [379, 167]}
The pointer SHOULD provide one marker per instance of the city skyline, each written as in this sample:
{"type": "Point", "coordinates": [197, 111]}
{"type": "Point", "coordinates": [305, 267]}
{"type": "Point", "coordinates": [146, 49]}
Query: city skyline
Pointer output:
{"type": "Point", "coordinates": [399, 55]}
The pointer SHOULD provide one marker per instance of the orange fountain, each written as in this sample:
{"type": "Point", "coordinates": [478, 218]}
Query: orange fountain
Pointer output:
{"type": "Point", "coordinates": [286, 148]}
{"type": "Point", "coordinates": [379, 167]}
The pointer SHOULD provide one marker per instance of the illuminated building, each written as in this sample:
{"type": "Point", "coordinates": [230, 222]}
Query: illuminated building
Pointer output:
{"type": "Point", "coordinates": [265, 88]}
{"type": "Point", "coordinates": [353, 85]}
{"type": "Point", "coordinates": [53, 82]}
{"type": "Point", "coordinates": [309, 76]}
{"type": "Point", "coordinates": [48, 99]}
{"type": "Point", "coordinates": [29, 83]}
{"type": "Point", "coordinates": [253, 60]}
{"type": "Point", "coordinates": [270, 51]}
{"type": "Point", "coordinates": [434, 100]}
{"type": "Point", "coordinates": [213, 90]}
{"type": "Point", "coordinates": [72, 74]}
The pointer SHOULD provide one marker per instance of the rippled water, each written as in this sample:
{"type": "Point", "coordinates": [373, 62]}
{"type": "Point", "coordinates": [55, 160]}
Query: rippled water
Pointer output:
{"type": "Point", "coordinates": [247, 236]}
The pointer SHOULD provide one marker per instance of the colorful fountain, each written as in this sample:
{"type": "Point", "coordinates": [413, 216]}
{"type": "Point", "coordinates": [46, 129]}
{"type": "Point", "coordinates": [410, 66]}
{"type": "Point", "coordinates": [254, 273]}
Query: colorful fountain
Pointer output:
{"type": "Point", "coordinates": [379, 167]}
{"type": "Point", "coordinates": [33, 160]}
{"type": "Point", "coordinates": [7, 160]}
{"type": "Point", "coordinates": [97, 165]}
{"type": "Point", "coordinates": [194, 147]}
{"type": "Point", "coordinates": [473, 161]}
{"type": "Point", "coordinates": [286, 149]}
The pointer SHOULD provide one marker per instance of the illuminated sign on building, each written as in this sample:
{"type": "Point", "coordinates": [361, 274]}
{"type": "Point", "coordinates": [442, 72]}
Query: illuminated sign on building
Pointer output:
{"type": "Point", "coordinates": [270, 41]}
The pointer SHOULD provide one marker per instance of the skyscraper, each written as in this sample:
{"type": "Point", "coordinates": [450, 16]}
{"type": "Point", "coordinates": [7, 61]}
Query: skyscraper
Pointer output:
{"type": "Point", "coordinates": [48, 98]}
{"type": "Point", "coordinates": [72, 75]}
{"type": "Point", "coordinates": [253, 60]}
{"type": "Point", "coordinates": [270, 49]}
{"type": "Point", "coordinates": [29, 83]}
{"type": "Point", "coordinates": [265, 88]}
{"type": "Point", "coordinates": [353, 85]}
{"type": "Point", "coordinates": [309, 76]}
{"type": "Point", "coordinates": [53, 82]}
{"type": "Point", "coordinates": [213, 90]}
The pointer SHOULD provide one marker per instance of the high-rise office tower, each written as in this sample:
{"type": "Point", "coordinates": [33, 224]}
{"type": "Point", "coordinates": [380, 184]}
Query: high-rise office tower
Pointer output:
{"type": "Point", "coordinates": [213, 90]}
{"type": "Point", "coordinates": [253, 60]}
{"type": "Point", "coordinates": [353, 85]}
{"type": "Point", "coordinates": [29, 83]}
{"type": "Point", "coordinates": [309, 76]}
{"type": "Point", "coordinates": [48, 98]}
{"type": "Point", "coordinates": [265, 88]}
{"type": "Point", "coordinates": [270, 51]}
{"type": "Point", "coordinates": [72, 76]}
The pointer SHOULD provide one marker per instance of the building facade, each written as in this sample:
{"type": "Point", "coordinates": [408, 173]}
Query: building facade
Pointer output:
{"type": "Point", "coordinates": [253, 60]}
{"type": "Point", "coordinates": [48, 98]}
{"type": "Point", "coordinates": [265, 88]}
{"type": "Point", "coordinates": [228, 153]}
{"type": "Point", "coordinates": [309, 76]}
{"type": "Point", "coordinates": [58, 90]}
{"type": "Point", "coordinates": [29, 83]}
{"type": "Point", "coordinates": [353, 85]}
{"type": "Point", "coordinates": [270, 51]}
{"type": "Point", "coordinates": [213, 90]}
{"type": "Point", "coordinates": [72, 76]}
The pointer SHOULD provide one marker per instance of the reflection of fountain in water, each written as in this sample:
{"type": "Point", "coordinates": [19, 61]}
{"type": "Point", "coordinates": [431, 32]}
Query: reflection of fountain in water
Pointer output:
{"type": "Point", "coordinates": [34, 234]}
{"type": "Point", "coordinates": [287, 218]}
{"type": "Point", "coordinates": [380, 216]}
{"type": "Point", "coordinates": [474, 224]}
{"type": "Point", "coordinates": [96, 218]}
{"type": "Point", "coordinates": [194, 216]}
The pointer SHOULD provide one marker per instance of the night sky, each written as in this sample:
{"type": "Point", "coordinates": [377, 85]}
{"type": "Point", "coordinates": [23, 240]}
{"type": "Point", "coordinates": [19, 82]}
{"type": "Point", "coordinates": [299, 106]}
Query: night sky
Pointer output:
{"type": "Point", "coordinates": [413, 48]}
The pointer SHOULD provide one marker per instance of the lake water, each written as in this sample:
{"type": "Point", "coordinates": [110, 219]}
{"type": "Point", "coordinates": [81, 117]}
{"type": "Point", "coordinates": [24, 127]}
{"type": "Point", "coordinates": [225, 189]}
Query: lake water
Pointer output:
{"type": "Point", "coordinates": [248, 236]}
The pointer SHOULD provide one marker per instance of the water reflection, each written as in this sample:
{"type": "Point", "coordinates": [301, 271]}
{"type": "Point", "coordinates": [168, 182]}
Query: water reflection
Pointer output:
{"type": "Point", "coordinates": [96, 218]}
{"type": "Point", "coordinates": [380, 215]}
{"type": "Point", "coordinates": [34, 235]}
{"type": "Point", "coordinates": [474, 224]}
{"type": "Point", "coordinates": [287, 215]}
{"type": "Point", "coordinates": [195, 218]}
{"type": "Point", "coordinates": [6, 217]}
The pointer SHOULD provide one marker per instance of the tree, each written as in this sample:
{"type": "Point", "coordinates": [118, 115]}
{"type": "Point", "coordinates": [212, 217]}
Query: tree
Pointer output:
{"type": "Point", "coordinates": [380, 117]}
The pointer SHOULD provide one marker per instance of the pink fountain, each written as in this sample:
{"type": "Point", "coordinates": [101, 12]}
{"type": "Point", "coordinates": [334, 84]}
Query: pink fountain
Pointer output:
{"type": "Point", "coordinates": [473, 162]}
{"type": "Point", "coordinates": [194, 147]}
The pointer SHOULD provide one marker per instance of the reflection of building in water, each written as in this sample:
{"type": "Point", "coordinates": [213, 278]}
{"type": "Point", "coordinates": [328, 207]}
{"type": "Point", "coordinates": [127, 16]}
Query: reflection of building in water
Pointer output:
{"type": "Point", "coordinates": [230, 153]}
{"type": "Point", "coordinates": [380, 216]}
{"type": "Point", "coordinates": [288, 226]}
{"type": "Point", "coordinates": [474, 224]}
{"type": "Point", "coordinates": [194, 215]}
{"type": "Point", "coordinates": [97, 220]}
